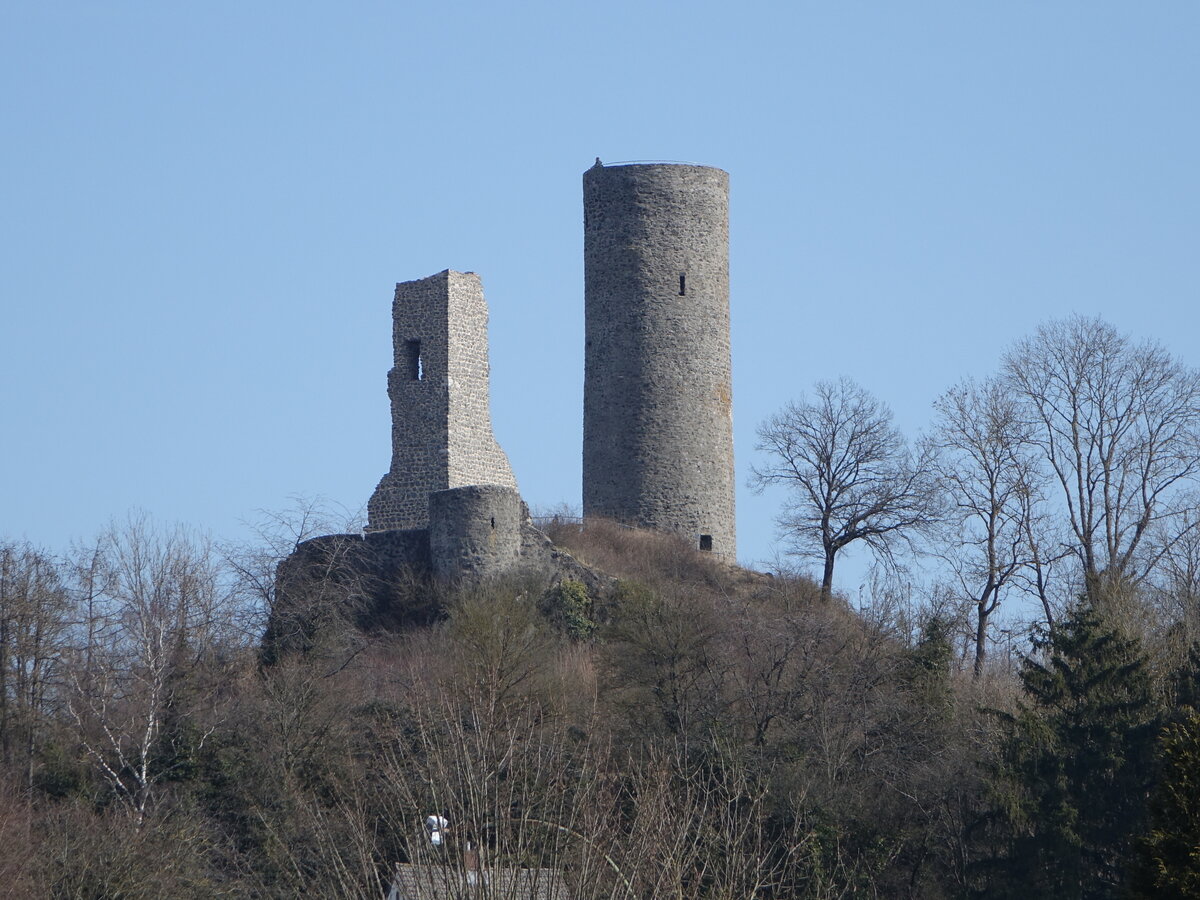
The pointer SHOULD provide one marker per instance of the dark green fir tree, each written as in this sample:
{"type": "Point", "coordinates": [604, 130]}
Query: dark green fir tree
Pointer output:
{"type": "Point", "coordinates": [1170, 853]}
{"type": "Point", "coordinates": [1074, 773]}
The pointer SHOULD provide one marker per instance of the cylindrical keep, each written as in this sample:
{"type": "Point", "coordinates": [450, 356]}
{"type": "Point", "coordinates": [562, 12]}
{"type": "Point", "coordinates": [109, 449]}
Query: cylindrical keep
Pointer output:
{"type": "Point", "coordinates": [658, 401]}
{"type": "Point", "coordinates": [474, 531]}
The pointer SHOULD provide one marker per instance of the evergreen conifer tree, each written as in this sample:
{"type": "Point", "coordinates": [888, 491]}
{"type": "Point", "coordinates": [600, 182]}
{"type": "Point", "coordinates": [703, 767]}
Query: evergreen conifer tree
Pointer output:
{"type": "Point", "coordinates": [1076, 764]}
{"type": "Point", "coordinates": [1170, 864]}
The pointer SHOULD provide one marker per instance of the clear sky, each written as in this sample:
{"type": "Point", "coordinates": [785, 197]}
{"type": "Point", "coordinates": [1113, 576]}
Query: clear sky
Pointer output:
{"type": "Point", "coordinates": [204, 208]}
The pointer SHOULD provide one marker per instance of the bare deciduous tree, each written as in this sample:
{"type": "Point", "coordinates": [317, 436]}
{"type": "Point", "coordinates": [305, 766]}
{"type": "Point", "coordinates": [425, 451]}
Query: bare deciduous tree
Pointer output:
{"type": "Point", "coordinates": [851, 475]}
{"type": "Point", "coordinates": [315, 600]}
{"type": "Point", "coordinates": [162, 614]}
{"type": "Point", "coordinates": [1173, 591]}
{"type": "Point", "coordinates": [1118, 424]}
{"type": "Point", "coordinates": [35, 616]}
{"type": "Point", "coordinates": [990, 476]}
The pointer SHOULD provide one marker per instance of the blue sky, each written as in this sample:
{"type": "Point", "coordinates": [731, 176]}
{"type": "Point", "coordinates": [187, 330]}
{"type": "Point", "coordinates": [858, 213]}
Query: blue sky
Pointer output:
{"type": "Point", "coordinates": [205, 207]}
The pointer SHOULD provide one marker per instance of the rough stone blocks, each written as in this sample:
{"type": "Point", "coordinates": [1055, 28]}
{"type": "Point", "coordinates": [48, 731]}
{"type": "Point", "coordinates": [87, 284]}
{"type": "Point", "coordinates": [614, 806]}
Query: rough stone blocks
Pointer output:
{"type": "Point", "coordinates": [475, 531]}
{"type": "Point", "coordinates": [438, 387]}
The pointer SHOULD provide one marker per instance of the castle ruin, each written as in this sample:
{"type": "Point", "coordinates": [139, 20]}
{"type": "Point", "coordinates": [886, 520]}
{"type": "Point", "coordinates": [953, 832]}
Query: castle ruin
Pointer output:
{"type": "Point", "coordinates": [438, 387]}
{"type": "Point", "coordinates": [658, 429]}
{"type": "Point", "coordinates": [658, 400]}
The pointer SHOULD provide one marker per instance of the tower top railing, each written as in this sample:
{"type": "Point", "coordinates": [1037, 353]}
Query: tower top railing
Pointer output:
{"type": "Point", "coordinates": [653, 162]}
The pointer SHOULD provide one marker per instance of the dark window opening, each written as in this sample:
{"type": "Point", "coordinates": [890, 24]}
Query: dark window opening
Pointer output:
{"type": "Point", "coordinates": [682, 285]}
{"type": "Point", "coordinates": [416, 365]}
{"type": "Point", "coordinates": [706, 542]}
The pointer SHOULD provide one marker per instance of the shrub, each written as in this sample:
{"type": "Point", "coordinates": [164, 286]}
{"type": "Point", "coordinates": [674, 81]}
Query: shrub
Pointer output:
{"type": "Point", "coordinates": [569, 605]}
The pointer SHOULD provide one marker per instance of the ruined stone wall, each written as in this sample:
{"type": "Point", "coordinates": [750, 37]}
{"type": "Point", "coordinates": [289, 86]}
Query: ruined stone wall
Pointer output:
{"type": "Point", "coordinates": [474, 455]}
{"type": "Point", "coordinates": [387, 579]}
{"type": "Point", "coordinates": [658, 402]}
{"type": "Point", "coordinates": [438, 387]}
{"type": "Point", "coordinates": [342, 580]}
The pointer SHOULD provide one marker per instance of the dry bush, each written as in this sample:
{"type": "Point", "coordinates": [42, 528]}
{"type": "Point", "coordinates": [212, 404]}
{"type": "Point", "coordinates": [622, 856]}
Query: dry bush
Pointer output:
{"type": "Point", "coordinates": [87, 854]}
{"type": "Point", "coordinates": [573, 682]}
{"type": "Point", "coordinates": [531, 788]}
{"type": "Point", "coordinates": [788, 589]}
{"type": "Point", "coordinates": [650, 557]}
{"type": "Point", "coordinates": [671, 566]}
{"type": "Point", "coordinates": [18, 854]}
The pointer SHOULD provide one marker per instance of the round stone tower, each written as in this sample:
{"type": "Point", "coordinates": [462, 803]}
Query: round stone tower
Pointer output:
{"type": "Point", "coordinates": [657, 401]}
{"type": "Point", "coordinates": [475, 531]}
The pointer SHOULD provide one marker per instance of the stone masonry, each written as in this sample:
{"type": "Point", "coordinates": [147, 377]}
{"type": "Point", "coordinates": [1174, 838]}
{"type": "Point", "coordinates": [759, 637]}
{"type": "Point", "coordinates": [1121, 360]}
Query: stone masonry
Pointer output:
{"type": "Point", "coordinates": [657, 408]}
{"type": "Point", "coordinates": [475, 531]}
{"type": "Point", "coordinates": [438, 387]}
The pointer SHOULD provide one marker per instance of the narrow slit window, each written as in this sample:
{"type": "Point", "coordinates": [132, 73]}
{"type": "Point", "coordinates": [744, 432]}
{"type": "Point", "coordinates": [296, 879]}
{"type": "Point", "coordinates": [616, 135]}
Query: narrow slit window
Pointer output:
{"type": "Point", "coordinates": [416, 365]}
{"type": "Point", "coordinates": [682, 285]}
{"type": "Point", "coordinates": [706, 542]}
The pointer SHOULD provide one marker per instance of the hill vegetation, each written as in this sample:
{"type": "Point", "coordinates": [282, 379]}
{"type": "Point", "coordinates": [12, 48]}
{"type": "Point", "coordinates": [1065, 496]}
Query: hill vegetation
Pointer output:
{"type": "Point", "coordinates": [694, 730]}
{"type": "Point", "coordinates": [664, 725]}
